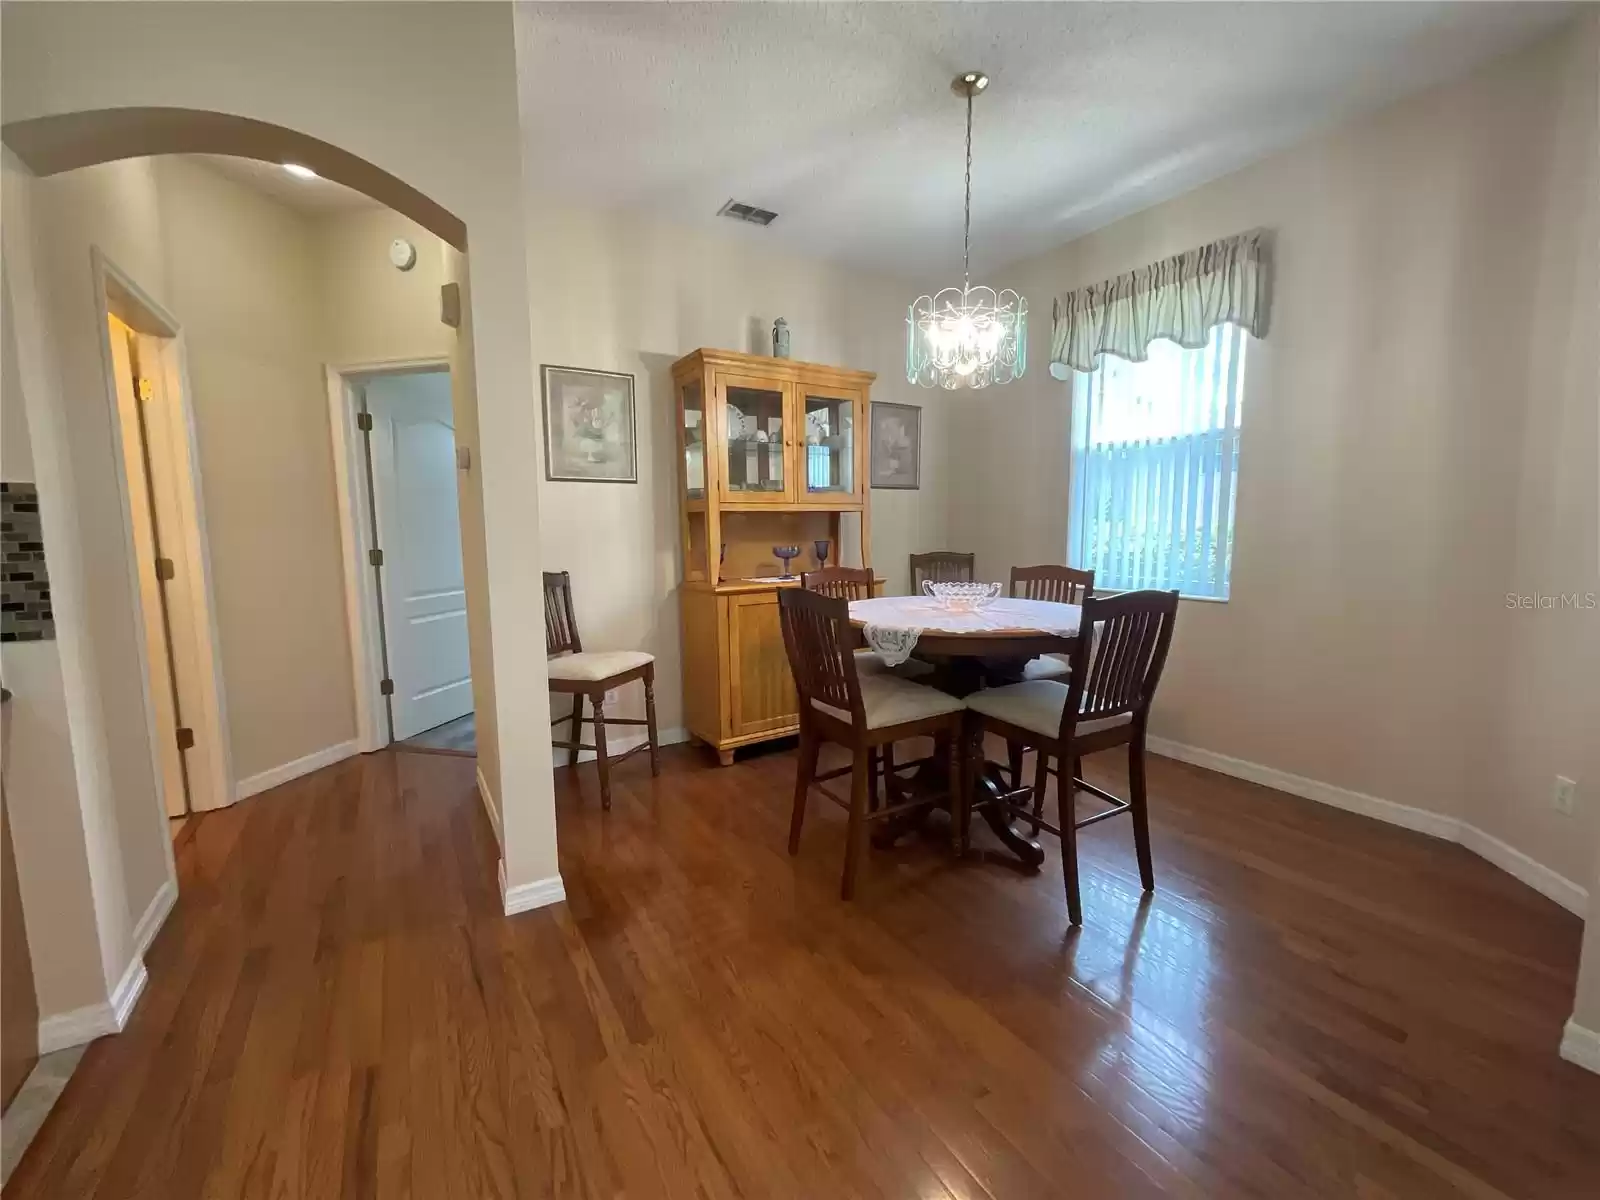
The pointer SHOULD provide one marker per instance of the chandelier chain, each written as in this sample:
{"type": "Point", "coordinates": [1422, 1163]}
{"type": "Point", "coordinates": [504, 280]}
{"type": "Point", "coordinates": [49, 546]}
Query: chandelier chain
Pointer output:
{"type": "Point", "coordinates": [966, 224]}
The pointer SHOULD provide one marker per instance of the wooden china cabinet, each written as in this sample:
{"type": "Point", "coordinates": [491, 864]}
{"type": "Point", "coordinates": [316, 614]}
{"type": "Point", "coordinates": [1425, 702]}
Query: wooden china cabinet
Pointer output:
{"type": "Point", "coordinates": [771, 452]}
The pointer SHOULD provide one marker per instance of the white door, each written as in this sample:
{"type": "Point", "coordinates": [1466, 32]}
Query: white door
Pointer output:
{"type": "Point", "coordinates": [424, 596]}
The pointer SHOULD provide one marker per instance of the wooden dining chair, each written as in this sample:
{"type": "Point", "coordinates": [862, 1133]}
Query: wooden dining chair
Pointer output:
{"type": "Point", "coordinates": [591, 674]}
{"type": "Point", "coordinates": [1105, 702]}
{"type": "Point", "coordinates": [846, 583]}
{"type": "Point", "coordinates": [941, 566]}
{"type": "Point", "coordinates": [1059, 585]}
{"type": "Point", "coordinates": [862, 712]}
{"type": "Point", "coordinates": [842, 583]}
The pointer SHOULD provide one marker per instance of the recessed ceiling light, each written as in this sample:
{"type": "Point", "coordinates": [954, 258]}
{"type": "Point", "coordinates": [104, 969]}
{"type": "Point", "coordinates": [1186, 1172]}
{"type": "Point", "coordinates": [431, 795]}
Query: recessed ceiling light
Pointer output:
{"type": "Point", "coordinates": [299, 172]}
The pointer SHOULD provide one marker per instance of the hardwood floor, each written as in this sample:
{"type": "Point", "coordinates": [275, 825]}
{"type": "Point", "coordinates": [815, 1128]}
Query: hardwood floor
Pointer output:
{"type": "Point", "coordinates": [1311, 1005]}
{"type": "Point", "coordinates": [453, 737]}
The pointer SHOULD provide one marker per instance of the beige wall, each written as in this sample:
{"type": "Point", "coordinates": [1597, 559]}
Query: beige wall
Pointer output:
{"type": "Point", "coordinates": [243, 280]}
{"type": "Point", "coordinates": [88, 703]}
{"type": "Point", "coordinates": [621, 293]}
{"type": "Point", "coordinates": [1419, 411]}
{"type": "Point", "coordinates": [370, 311]}
{"type": "Point", "coordinates": [1550, 722]}
{"type": "Point", "coordinates": [53, 872]}
{"type": "Point", "coordinates": [310, 68]}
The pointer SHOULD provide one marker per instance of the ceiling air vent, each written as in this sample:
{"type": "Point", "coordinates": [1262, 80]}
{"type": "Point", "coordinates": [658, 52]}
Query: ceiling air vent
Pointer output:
{"type": "Point", "coordinates": [747, 212]}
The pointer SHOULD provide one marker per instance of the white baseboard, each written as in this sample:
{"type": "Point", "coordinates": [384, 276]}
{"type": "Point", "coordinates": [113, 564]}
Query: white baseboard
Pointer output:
{"type": "Point", "coordinates": [1451, 829]}
{"type": "Point", "coordinates": [1518, 865]}
{"type": "Point", "coordinates": [526, 897]}
{"type": "Point", "coordinates": [155, 916]}
{"type": "Point", "coordinates": [487, 798]}
{"type": "Point", "coordinates": [80, 1025]}
{"type": "Point", "coordinates": [618, 742]}
{"type": "Point", "coordinates": [126, 994]}
{"type": "Point", "coordinates": [1581, 1046]}
{"type": "Point", "coordinates": [293, 770]}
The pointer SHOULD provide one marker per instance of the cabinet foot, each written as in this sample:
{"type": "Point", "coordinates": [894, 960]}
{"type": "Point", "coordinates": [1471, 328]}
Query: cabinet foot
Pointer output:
{"type": "Point", "coordinates": [725, 757]}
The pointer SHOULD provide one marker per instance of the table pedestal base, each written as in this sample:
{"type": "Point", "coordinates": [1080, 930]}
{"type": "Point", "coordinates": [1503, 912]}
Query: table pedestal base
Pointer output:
{"type": "Point", "coordinates": [932, 821]}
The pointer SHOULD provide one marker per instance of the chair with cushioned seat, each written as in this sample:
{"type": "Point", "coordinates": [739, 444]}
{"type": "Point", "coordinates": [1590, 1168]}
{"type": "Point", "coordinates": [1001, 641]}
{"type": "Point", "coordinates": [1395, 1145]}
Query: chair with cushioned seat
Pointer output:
{"type": "Point", "coordinates": [592, 674]}
{"type": "Point", "coordinates": [1105, 702]}
{"type": "Point", "coordinates": [846, 583]}
{"type": "Point", "coordinates": [864, 712]}
{"type": "Point", "coordinates": [1060, 585]}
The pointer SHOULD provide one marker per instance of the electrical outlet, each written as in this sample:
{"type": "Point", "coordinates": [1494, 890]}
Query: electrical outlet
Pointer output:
{"type": "Point", "coordinates": [1562, 798]}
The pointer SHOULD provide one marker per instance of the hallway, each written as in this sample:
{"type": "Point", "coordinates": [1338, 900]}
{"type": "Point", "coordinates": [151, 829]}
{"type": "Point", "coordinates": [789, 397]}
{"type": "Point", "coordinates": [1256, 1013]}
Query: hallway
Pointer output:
{"type": "Point", "coordinates": [336, 1008]}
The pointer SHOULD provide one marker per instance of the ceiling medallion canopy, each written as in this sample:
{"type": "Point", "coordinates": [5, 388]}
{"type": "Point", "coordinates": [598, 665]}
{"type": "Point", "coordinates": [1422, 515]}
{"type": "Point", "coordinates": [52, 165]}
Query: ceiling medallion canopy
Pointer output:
{"type": "Point", "coordinates": [967, 337]}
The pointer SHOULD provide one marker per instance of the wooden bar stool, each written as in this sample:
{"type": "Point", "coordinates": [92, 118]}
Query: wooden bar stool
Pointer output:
{"type": "Point", "coordinates": [1105, 702]}
{"type": "Point", "coordinates": [584, 673]}
{"type": "Point", "coordinates": [861, 712]}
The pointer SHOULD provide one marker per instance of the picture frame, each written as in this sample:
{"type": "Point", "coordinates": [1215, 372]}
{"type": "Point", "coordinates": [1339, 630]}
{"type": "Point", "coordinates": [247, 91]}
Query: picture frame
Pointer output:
{"type": "Point", "coordinates": [590, 425]}
{"type": "Point", "coordinates": [895, 454]}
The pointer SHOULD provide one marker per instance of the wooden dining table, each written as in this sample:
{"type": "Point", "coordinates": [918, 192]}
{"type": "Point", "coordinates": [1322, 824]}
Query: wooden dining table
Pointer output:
{"type": "Point", "coordinates": [967, 651]}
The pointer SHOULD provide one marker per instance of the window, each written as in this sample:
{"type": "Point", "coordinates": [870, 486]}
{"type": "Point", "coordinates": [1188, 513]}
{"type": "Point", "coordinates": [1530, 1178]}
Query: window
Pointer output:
{"type": "Point", "coordinates": [1155, 467]}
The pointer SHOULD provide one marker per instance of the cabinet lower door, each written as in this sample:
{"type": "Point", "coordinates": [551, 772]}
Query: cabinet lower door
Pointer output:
{"type": "Point", "coordinates": [761, 691]}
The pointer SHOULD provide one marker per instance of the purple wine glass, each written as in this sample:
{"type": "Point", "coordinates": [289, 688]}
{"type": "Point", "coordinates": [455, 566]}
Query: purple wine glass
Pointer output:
{"type": "Point", "coordinates": [786, 553]}
{"type": "Point", "coordinates": [822, 546]}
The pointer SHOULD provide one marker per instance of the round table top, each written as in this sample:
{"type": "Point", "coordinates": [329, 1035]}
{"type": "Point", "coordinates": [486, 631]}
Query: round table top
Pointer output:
{"type": "Point", "coordinates": [1004, 627]}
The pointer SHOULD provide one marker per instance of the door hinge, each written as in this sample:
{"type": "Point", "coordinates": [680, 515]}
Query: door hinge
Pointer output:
{"type": "Point", "coordinates": [375, 557]}
{"type": "Point", "coordinates": [364, 422]}
{"type": "Point", "coordinates": [185, 738]}
{"type": "Point", "coordinates": [385, 687]}
{"type": "Point", "coordinates": [144, 387]}
{"type": "Point", "coordinates": [165, 570]}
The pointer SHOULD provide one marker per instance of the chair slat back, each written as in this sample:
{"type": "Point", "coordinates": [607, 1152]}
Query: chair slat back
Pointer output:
{"type": "Point", "coordinates": [560, 623]}
{"type": "Point", "coordinates": [941, 566]}
{"type": "Point", "coordinates": [1060, 585]}
{"type": "Point", "coordinates": [1117, 661]}
{"type": "Point", "coordinates": [842, 583]}
{"type": "Point", "coordinates": [819, 642]}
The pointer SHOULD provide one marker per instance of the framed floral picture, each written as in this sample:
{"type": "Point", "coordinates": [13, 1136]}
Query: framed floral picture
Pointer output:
{"type": "Point", "coordinates": [896, 454]}
{"type": "Point", "coordinates": [589, 425]}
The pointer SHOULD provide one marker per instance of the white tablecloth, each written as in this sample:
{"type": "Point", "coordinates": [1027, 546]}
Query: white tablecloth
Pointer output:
{"type": "Point", "coordinates": [893, 623]}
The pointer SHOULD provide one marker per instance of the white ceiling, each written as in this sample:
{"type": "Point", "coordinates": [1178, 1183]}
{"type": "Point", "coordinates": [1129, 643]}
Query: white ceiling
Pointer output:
{"type": "Point", "coordinates": [840, 117]}
{"type": "Point", "coordinates": [313, 197]}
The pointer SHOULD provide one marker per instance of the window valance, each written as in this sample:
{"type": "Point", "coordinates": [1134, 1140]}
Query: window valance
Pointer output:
{"type": "Point", "coordinates": [1181, 298]}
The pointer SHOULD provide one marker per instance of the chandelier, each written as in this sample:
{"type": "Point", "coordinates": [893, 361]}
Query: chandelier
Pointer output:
{"type": "Point", "coordinates": [967, 337]}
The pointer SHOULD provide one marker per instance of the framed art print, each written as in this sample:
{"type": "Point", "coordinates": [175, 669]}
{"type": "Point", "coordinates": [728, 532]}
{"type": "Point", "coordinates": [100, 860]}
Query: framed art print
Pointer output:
{"type": "Point", "coordinates": [589, 425]}
{"type": "Point", "coordinates": [896, 455]}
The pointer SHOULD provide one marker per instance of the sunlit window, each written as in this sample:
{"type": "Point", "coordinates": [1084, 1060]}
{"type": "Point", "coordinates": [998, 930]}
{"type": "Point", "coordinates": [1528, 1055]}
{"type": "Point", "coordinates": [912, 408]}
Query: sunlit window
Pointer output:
{"type": "Point", "coordinates": [1155, 467]}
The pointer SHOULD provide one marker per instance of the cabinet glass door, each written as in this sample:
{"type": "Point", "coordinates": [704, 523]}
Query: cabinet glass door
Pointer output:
{"type": "Point", "coordinates": [694, 439]}
{"type": "Point", "coordinates": [753, 415]}
{"type": "Point", "coordinates": [829, 444]}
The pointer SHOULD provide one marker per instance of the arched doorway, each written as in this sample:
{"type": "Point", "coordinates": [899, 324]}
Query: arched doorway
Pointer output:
{"type": "Point", "coordinates": [95, 693]}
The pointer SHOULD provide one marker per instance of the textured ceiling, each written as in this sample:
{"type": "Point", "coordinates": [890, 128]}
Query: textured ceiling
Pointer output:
{"type": "Point", "coordinates": [840, 117]}
{"type": "Point", "coordinates": [310, 196]}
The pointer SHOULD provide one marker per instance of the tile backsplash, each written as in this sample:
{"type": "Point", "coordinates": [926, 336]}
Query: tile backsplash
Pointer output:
{"type": "Point", "coordinates": [25, 614]}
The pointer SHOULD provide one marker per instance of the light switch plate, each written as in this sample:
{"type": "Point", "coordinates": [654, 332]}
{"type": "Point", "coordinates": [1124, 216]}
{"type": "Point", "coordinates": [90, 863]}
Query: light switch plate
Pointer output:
{"type": "Point", "coordinates": [1564, 795]}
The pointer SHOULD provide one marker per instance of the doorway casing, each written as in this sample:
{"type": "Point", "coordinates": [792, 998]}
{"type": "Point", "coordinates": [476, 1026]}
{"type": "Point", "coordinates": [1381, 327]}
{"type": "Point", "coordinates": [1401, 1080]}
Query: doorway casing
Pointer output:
{"type": "Point", "coordinates": [350, 467]}
{"type": "Point", "coordinates": [193, 628]}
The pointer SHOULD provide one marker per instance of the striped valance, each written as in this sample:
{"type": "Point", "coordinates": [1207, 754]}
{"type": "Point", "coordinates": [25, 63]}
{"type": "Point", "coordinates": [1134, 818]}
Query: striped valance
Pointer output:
{"type": "Point", "coordinates": [1181, 298]}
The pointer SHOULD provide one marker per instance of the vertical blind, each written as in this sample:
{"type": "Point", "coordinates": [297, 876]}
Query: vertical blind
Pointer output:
{"type": "Point", "coordinates": [1155, 467]}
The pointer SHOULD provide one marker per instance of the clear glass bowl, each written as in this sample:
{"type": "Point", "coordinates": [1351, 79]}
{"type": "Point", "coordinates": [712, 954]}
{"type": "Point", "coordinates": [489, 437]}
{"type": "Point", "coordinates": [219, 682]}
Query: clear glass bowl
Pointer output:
{"type": "Point", "coordinates": [961, 597]}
